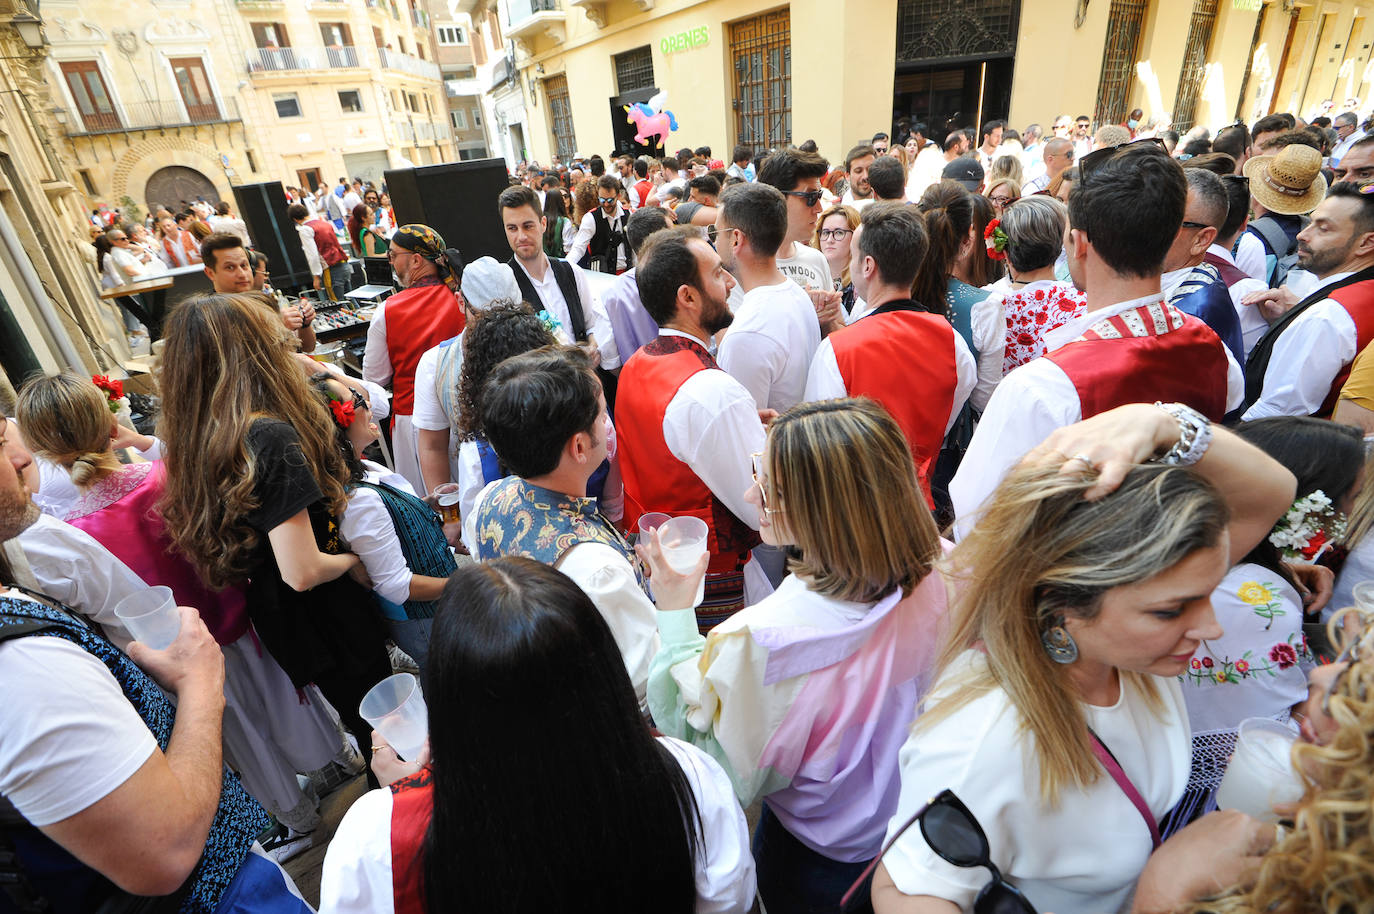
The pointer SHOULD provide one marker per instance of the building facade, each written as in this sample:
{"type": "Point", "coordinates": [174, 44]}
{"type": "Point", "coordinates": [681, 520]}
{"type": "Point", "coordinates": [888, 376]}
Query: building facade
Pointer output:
{"type": "Point", "coordinates": [761, 74]}
{"type": "Point", "coordinates": [462, 89]}
{"type": "Point", "coordinates": [163, 101]}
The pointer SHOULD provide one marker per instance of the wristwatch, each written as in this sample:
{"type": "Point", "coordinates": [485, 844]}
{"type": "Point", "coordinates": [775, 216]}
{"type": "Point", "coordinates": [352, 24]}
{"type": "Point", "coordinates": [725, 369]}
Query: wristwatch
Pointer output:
{"type": "Point", "coordinates": [1194, 435]}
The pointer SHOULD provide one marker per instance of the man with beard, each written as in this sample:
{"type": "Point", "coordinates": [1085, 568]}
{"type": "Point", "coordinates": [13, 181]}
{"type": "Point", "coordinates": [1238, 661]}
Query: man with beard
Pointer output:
{"type": "Point", "coordinates": [1298, 366]}
{"type": "Point", "coordinates": [687, 429]}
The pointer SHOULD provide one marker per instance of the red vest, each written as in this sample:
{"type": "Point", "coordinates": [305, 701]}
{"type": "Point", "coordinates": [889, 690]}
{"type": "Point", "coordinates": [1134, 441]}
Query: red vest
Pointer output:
{"type": "Point", "coordinates": [1358, 302]}
{"type": "Point", "coordinates": [417, 320]}
{"type": "Point", "coordinates": [327, 243]}
{"type": "Point", "coordinates": [1230, 273]}
{"type": "Point", "coordinates": [1153, 352]}
{"type": "Point", "coordinates": [655, 480]}
{"type": "Point", "coordinates": [412, 806]}
{"type": "Point", "coordinates": [904, 359]}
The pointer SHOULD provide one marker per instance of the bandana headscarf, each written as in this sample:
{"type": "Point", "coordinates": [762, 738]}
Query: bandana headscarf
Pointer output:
{"type": "Point", "coordinates": [429, 244]}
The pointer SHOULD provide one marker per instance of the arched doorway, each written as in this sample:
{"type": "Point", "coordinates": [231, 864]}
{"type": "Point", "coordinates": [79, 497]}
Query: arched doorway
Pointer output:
{"type": "Point", "coordinates": [171, 185]}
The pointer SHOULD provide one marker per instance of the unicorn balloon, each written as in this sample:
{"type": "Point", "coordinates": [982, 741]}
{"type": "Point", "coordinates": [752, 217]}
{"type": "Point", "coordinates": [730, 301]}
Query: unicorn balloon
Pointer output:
{"type": "Point", "coordinates": [651, 120]}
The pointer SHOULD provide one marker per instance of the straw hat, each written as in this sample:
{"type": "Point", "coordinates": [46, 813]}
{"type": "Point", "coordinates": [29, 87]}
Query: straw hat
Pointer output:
{"type": "Point", "coordinates": [1290, 182]}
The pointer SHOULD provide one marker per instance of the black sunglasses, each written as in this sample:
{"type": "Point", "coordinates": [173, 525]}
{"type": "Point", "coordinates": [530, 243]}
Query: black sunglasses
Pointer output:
{"type": "Point", "coordinates": [1094, 160]}
{"type": "Point", "coordinates": [951, 830]}
{"type": "Point", "coordinates": [809, 197]}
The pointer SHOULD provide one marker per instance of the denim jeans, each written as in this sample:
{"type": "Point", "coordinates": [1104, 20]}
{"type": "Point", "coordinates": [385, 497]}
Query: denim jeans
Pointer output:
{"type": "Point", "coordinates": [794, 879]}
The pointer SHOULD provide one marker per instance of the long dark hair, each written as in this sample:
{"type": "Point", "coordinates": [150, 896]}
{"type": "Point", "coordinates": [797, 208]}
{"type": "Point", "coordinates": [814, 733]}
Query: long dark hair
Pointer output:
{"type": "Point", "coordinates": [553, 211]}
{"type": "Point", "coordinates": [1322, 454]}
{"type": "Point", "coordinates": [948, 211]}
{"type": "Point", "coordinates": [352, 459]}
{"type": "Point", "coordinates": [549, 790]}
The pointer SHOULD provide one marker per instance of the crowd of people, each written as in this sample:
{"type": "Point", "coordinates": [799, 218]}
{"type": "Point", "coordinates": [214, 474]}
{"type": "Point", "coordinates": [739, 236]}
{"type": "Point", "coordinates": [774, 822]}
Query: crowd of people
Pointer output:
{"type": "Point", "coordinates": [1028, 467]}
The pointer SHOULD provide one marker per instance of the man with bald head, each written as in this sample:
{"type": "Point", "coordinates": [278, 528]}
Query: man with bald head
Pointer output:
{"type": "Point", "coordinates": [1191, 285]}
{"type": "Point", "coordinates": [1058, 157]}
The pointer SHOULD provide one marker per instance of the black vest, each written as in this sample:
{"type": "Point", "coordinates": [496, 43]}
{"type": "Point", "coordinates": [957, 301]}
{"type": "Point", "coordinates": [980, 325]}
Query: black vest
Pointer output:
{"type": "Point", "coordinates": [567, 284]}
{"type": "Point", "coordinates": [601, 245]}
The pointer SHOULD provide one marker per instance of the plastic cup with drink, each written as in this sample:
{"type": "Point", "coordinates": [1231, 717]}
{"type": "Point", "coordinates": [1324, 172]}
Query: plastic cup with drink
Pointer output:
{"type": "Point", "coordinates": [151, 616]}
{"type": "Point", "coordinates": [447, 496]}
{"type": "Point", "coordinates": [396, 709]}
{"type": "Point", "coordinates": [682, 541]}
{"type": "Point", "coordinates": [1260, 775]}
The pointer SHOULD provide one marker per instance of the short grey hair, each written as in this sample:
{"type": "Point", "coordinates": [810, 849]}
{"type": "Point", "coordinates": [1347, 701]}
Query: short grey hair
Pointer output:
{"type": "Point", "coordinates": [1346, 117]}
{"type": "Point", "coordinates": [1035, 232]}
{"type": "Point", "coordinates": [1213, 204]}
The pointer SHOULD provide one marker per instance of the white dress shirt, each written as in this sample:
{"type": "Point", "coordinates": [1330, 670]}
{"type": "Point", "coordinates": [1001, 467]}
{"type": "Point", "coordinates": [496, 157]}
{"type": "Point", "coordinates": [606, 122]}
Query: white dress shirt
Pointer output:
{"type": "Point", "coordinates": [587, 228]}
{"type": "Point", "coordinates": [1030, 403]}
{"type": "Point", "coordinates": [593, 312]}
{"type": "Point", "coordinates": [1307, 357]}
{"type": "Point", "coordinates": [232, 226]}
{"type": "Point", "coordinates": [850, 200]}
{"type": "Point", "coordinates": [770, 344]}
{"type": "Point", "coordinates": [1252, 322]}
{"type": "Point", "coordinates": [312, 251]}
{"type": "Point", "coordinates": [1251, 259]}
{"type": "Point", "coordinates": [376, 357]}
{"type": "Point", "coordinates": [366, 526]}
{"type": "Point", "coordinates": [712, 425]}
{"type": "Point", "coordinates": [988, 321]}
{"type": "Point", "coordinates": [357, 869]}
{"type": "Point", "coordinates": [824, 381]}
{"type": "Point", "coordinates": [1340, 149]}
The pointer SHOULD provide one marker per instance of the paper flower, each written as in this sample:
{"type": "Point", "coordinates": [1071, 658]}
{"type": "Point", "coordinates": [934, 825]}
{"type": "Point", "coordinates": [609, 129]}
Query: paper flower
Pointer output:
{"type": "Point", "coordinates": [996, 240]}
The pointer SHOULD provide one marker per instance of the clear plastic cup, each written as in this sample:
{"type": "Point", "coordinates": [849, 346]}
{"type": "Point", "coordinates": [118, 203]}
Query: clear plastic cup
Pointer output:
{"type": "Point", "coordinates": [151, 616]}
{"type": "Point", "coordinates": [1363, 594]}
{"type": "Point", "coordinates": [650, 522]}
{"type": "Point", "coordinates": [1260, 774]}
{"type": "Point", "coordinates": [396, 709]}
{"type": "Point", "coordinates": [683, 541]}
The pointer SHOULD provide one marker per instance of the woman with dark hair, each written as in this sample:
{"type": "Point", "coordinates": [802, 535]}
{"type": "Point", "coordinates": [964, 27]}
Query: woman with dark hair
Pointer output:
{"type": "Point", "coordinates": [255, 485]}
{"type": "Point", "coordinates": [1259, 667]}
{"type": "Point", "coordinates": [363, 233]}
{"type": "Point", "coordinates": [946, 280]}
{"type": "Point", "coordinates": [560, 231]}
{"type": "Point", "coordinates": [545, 790]}
{"type": "Point", "coordinates": [398, 537]}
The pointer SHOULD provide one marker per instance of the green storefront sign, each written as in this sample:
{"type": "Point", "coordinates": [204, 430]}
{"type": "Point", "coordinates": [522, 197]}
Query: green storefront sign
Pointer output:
{"type": "Point", "coordinates": [689, 40]}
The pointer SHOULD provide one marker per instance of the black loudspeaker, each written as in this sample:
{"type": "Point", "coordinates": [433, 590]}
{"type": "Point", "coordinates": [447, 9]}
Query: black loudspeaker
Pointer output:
{"type": "Point", "coordinates": [262, 207]}
{"type": "Point", "coordinates": [624, 132]}
{"type": "Point", "coordinates": [457, 200]}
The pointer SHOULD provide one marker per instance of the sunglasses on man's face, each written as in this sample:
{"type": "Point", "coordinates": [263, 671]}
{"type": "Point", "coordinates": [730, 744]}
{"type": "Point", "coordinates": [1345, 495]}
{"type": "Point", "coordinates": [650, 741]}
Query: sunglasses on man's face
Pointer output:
{"type": "Point", "coordinates": [954, 834]}
{"type": "Point", "coordinates": [809, 197]}
{"type": "Point", "coordinates": [1095, 160]}
{"type": "Point", "coordinates": [606, 201]}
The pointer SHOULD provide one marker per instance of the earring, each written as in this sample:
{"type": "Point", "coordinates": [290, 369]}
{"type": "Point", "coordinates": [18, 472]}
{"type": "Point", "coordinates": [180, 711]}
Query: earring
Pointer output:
{"type": "Point", "coordinates": [1059, 644]}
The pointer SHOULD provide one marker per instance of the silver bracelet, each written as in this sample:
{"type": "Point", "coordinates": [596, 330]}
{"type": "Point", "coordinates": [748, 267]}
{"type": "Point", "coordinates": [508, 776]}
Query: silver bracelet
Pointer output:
{"type": "Point", "coordinates": [1194, 435]}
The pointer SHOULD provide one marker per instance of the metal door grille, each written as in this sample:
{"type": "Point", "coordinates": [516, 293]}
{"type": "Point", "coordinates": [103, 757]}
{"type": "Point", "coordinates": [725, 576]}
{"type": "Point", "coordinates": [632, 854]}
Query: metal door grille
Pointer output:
{"type": "Point", "coordinates": [634, 70]}
{"type": "Point", "coordinates": [1250, 63]}
{"type": "Point", "coordinates": [1124, 22]}
{"type": "Point", "coordinates": [1194, 70]}
{"type": "Point", "coordinates": [560, 111]}
{"type": "Point", "coordinates": [930, 30]}
{"type": "Point", "coordinates": [761, 49]}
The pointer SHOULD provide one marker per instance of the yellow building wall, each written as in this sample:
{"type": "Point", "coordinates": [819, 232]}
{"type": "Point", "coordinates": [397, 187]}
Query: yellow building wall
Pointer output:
{"type": "Point", "coordinates": [842, 72]}
{"type": "Point", "coordinates": [1057, 65]}
{"type": "Point", "coordinates": [1229, 53]}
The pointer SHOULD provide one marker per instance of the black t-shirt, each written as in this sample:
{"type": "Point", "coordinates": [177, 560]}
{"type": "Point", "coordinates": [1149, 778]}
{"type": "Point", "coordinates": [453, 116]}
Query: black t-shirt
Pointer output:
{"type": "Point", "coordinates": [331, 627]}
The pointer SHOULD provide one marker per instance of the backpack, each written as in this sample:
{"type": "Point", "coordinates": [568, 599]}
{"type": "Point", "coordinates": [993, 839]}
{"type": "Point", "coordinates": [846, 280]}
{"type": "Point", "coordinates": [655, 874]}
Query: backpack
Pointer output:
{"type": "Point", "coordinates": [1278, 243]}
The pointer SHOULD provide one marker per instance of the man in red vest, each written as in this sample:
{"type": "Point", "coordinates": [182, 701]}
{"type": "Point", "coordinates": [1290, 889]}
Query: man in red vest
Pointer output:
{"type": "Point", "coordinates": [428, 311]}
{"type": "Point", "coordinates": [1130, 347]}
{"type": "Point", "coordinates": [328, 262]}
{"type": "Point", "coordinates": [1299, 366]}
{"type": "Point", "coordinates": [908, 359]}
{"type": "Point", "coordinates": [687, 429]}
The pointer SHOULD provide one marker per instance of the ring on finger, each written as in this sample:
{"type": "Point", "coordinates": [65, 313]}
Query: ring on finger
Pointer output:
{"type": "Point", "coordinates": [1086, 460]}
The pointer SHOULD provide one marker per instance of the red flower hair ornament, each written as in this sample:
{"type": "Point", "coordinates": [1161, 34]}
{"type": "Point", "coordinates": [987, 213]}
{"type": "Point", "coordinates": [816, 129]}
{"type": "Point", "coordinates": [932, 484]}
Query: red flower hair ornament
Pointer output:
{"type": "Point", "coordinates": [996, 240]}
{"type": "Point", "coordinates": [343, 412]}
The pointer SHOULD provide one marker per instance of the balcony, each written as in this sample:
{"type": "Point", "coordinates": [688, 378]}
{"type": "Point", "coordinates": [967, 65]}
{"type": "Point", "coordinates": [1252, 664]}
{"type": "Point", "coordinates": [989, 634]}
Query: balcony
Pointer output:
{"type": "Point", "coordinates": [260, 4]}
{"type": "Point", "coordinates": [149, 116]}
{"type": "Point", "coordinates": [406, 132]}
{"type": "Point", "coordinates": [280, 60]}
{"type": "Point", "coordinates": [459, 88]}
{"type": "Point", "coordinates": [420, 18]}
{"type": "Point", "coordinates": [406, 63]}
{"type": "Point", "coordinates": [528, 18]}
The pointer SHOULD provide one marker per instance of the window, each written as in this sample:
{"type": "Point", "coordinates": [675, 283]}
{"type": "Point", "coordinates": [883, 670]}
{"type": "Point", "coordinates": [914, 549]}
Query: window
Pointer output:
{"type": "Point", "coordinates": [560, 111]}
{"type": "Point", "coordinates": [377, 37]}
{"type": "Point", "coordinates": [1194, 63]}
{"type": "Point", "coordinates": [86, 180]}
{"type": "Point", "coordinates": [288, 104]}
{"type": "Point", "coordinates": [479, 51]}
{"type": "Point", "coordinates": [452, 34]}
{"type": "Point", "coordinates": [634, 70]}
{"type": "Point", "coordinates": [1125, 19]}
{"type": "Point", "coordinates": [467, 155]}
{"type": "Point", "coordinates": [350, 101]}
{"type": "Point", "coordinates": [477, 117]}
{"type": "Point", "coordinates": [412, 102]}
{"type": "Point", "coordinates": [252, 162]}
{"type": "Point", "coordinates": [195, 89]}
{"type": "Point", "coordinates": [336, 34]}
{"type": "Point", "coordinates": [270, 35]}
{"type": "Point", "coordinates": [309, 179]}
{"type": "Point", "coordinates": [459, 119]}
{"type": "Point", "coordinates": [761, 51]}
{"type": "Point", "coordinates": [92, 99]}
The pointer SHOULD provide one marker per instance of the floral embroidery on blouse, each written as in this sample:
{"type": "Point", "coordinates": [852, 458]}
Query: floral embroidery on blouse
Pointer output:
{"type": "Point", "coordinates": [1209, 670]}
{"type": "Point", "coordinates": [1264, 599]}
{"type": "Point", "coordinates": [1030, 314]}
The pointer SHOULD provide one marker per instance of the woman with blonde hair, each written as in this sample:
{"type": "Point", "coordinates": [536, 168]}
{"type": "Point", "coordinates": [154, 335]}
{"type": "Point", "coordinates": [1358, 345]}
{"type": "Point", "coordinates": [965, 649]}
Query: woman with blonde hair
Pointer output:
{"type": "Point", "coordinates": [255, 486]}
{"type": "Point", "coordinates": [1005, 168]}
{"type": "Point", "coordinates": [832, 236]}
{"type": "Point", "coordinates": [805, 697]}
{"type": "Point", "coordinates": [1057, 716]}
{"type": "Point", "coordinates": [1002, 192]}
{"type": "Point", "coordinates": [269, 733]}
